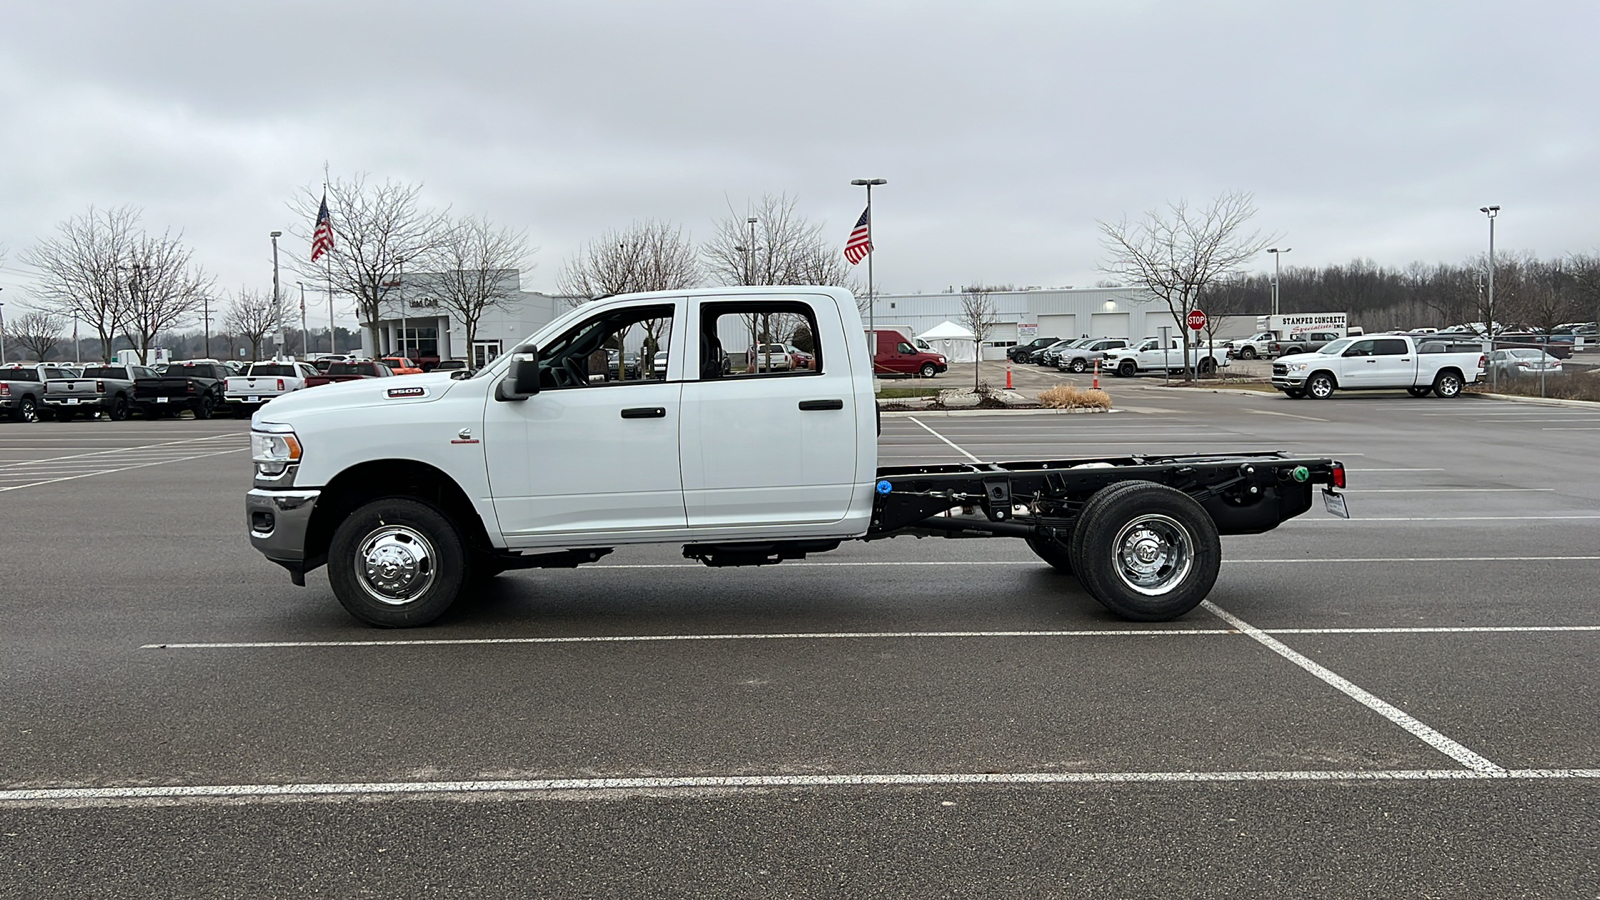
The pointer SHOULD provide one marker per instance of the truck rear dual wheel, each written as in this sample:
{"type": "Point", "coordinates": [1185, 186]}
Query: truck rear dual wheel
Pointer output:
{"type": "Point", "coordinates": [1147, 552]}
{"type": "Point", "coordinates": [397, 563]}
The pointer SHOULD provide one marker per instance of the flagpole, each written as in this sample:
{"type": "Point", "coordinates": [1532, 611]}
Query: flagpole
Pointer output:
{"type": "Point", "coordinates": [872, 300]}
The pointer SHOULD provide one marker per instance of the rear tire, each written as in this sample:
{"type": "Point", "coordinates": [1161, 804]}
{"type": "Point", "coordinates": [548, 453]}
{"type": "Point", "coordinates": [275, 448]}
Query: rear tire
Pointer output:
{"type": "Point", "coordinates": [397, 563]}
{"type": "Point", "coordinates": [27, 410]}
{"type": "Point", "coordinates": [1148, 553]}
{"type": "Point", "coordinates": [204, 408]}
{"type": "Point", "coordinates": [1207, 366]}
{"type": "Point", "coordinates": [1447, 385]}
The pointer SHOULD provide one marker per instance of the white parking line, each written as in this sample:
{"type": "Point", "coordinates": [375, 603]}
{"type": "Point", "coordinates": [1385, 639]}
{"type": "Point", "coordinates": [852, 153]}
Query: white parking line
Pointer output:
{"type": "Point", "coordinates": [110, 471]}
{"type": "Point", "coordinates": [1422, 732]}
{"type": "Point", "coordinates": [393, 643]}
{"type": "Point", "coordinates": [626, 786]}
{"type": "Point", "coordinates": [946, 440]}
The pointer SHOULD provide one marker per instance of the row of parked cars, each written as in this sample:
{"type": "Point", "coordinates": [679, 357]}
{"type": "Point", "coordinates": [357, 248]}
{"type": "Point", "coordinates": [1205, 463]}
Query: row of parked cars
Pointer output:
{"type": "Point", "coordinates": [204, 387]}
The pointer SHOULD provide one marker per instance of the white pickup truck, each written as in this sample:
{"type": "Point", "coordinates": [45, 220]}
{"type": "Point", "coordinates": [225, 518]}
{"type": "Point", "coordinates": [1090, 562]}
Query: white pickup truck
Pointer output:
{"type": "Point", "coordinates": [411, 489]}
{"type": "Point", "coordinates": [264, 381]}
{"type": "Point", "coordinates": [1154, 355]}
{"type": "Point", "coordinates": [1418, 363]}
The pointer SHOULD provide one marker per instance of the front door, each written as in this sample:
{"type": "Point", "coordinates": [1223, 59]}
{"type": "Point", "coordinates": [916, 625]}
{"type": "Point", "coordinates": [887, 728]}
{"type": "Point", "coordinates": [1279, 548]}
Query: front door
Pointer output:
{"type": "Point", "coordinates": [595, 452]}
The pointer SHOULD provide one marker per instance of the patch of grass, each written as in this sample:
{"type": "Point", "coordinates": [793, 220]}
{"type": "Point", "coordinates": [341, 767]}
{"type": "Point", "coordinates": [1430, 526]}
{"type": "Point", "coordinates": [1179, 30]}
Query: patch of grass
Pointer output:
{"type": "Point", "coordinates": [1574, 386]}
{"type": "Point", "coordinates": [1065, 396]}
{"type": "Point", "coordinates": [903, 393]}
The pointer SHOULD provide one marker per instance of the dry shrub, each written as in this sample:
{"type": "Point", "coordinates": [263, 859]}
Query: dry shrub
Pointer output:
{"type": "Point", "coordinates": [1065, 396]}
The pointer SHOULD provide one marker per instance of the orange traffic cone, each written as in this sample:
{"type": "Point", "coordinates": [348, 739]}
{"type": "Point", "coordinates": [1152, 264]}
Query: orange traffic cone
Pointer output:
{"type": "Point", "coordinates": [1097, 374]}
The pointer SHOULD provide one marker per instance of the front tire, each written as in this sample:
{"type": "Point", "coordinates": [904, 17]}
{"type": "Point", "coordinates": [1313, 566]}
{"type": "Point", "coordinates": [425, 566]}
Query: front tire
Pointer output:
{"type": "Point", "coordinates": [1447, 385]}
{"type": "Point", "coordinates": [1128, 369]}
{"type": "Point", "coordinates": [929, 370]}
{"type": "Point", "coordinates": [1247, 352]}
{"type": "Point", "coordinates": [1079, 365]}
{"type": "Point", "coordinates": [1320, 386]}
{"type": "Point", "coordinates": [1148, 552]}
{"type": "Point", "coordinates": [397, 563]}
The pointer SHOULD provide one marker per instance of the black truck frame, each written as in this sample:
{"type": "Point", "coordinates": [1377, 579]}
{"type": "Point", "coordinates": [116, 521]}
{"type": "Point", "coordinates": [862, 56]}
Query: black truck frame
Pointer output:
{"type": "Point", "coordinates": [1140, 532]}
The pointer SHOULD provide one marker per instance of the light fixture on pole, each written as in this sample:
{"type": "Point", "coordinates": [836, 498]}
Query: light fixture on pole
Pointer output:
{"type": "Point", "coordinates": [1277, 271]}
{"type": "Point", "coordinates": [872, 332]}
{"type": "Point", "coordinates": [277, 299]}
{"type": "Point", "coordinates": [1491, 212]}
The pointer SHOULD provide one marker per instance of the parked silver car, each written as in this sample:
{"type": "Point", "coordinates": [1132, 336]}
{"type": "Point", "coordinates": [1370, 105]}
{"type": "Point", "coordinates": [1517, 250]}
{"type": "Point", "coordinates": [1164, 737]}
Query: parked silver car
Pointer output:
{"type": "Point", "coordinates": [1519, 361]}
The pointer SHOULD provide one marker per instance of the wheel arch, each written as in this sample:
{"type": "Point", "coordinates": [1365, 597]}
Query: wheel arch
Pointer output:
{"type": "Point", "coordinates": [364, 482]}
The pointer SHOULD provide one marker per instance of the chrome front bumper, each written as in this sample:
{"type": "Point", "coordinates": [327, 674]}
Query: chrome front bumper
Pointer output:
{"type": "Point", "coordinates": [278, 523]}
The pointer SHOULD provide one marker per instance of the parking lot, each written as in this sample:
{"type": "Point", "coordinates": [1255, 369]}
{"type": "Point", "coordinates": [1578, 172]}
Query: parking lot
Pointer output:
{"type": "Point", "coordinates": [1402, 704]}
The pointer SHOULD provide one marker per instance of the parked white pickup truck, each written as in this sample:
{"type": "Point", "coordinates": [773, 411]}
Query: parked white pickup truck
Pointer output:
{"type": "Point", "coordinates": [410, 489]}
{"type": "Point", "coordinates": [1152, 355]}
{"type": "Point", "coordinates": [264, 381]}
{"type": "Point", "coordinates": [1418, 363]}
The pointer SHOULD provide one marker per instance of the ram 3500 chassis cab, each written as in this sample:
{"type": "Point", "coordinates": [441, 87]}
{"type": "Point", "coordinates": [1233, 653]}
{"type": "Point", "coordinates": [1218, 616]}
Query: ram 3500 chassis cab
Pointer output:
{"type": "Point", "coordinates": [411, 489]}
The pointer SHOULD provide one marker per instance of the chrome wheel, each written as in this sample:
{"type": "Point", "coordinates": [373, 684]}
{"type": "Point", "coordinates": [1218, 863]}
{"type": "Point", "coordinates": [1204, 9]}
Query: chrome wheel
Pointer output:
{"type": "Point", "coordinates": [1153, 554]}
{"type": "Point", "coordinates": [395, 564]}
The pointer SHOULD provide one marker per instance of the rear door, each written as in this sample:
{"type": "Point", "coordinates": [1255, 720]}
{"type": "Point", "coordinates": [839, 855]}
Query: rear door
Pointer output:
{"type": "Point", "coordinates": [771, 447]}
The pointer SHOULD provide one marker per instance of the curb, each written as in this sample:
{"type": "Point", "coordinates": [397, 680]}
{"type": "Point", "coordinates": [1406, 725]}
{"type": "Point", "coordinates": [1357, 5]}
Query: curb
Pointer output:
{"type": "Point", "coordinates": [1542, 401]}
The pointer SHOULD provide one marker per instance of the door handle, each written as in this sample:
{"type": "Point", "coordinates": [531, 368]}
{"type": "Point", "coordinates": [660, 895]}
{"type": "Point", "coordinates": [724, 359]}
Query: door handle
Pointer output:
{"type": "Point", "coordinates": [645, 412]}
{"type": "Point", "coordinates": [821, 404]}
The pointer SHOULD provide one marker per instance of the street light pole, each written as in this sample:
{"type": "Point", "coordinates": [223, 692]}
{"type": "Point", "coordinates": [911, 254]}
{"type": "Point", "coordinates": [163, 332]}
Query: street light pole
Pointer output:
{"type": "Point", "coordinates": [1277, 271]}
{"type": "Point", "coordinates": [1491, 212]}
{"type": "Point", "coordinates": [400, 283]}
{"type": "Point", "coordinates": [3, 333]}
{"type": "Point", "coordinates": [277, 300]}
{"type": "Point", "coordinates": [872, 303]}
{"type": "Point", "coordinates": [205, 316]}
{"type": "Point", "coordinates": [750, 253]}
{"type": "Point", "coordinates": [305, 345]}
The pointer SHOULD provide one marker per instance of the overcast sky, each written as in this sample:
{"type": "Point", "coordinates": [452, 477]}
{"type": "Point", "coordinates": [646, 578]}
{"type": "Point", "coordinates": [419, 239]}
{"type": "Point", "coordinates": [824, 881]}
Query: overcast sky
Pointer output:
{"type": "Point", "coordinates": [1005, 129]}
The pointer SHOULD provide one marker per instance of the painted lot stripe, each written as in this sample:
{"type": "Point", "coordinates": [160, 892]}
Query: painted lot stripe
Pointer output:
{"type": "Point", "coordinates": [15, 487]}
{"type": "Point", "coordinates": [946, 440]}
{"type": "Point", "coordinates": [1333, 561]}
{"type": "Point", "coordinates": [1389, 519]}
{"type": "Point", "coordinates": [1422, 732]}
{"type": "Point", "coordinates": [864, 635]}
{"type": "Point", "coordinates": [628, 786]}
{"type": "Point", "coordinates": [1448, 490]}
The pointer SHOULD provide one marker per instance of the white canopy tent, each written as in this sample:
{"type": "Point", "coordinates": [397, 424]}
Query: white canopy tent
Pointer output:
{"type": "Point", "coordinates": [955, 342]}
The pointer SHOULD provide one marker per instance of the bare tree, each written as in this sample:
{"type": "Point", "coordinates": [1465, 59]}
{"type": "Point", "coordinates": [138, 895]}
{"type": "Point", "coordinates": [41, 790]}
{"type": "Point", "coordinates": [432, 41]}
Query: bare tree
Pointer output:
{"type": "Point", "coordinates": [379, 231]}
{"type": "Point", "coordinates": [38, 330]}
{"type": "Point", "coordinates": [1584, 269]}
{"type": "Point", "coordinates": [83, 270]}
{"type": "Point", "coordinates": [979, 317]}
{"type": "Point", "coordinates": [166, 286]}
{"type": "Point", "coordinates": [249, 318]}
{"type": "Point", "coordinates": [476, 266]}
{"type": "Point", "coordinates": [1224, 299]}
{"type": "Point", "coordinates": [649, 256]}
{"type": "Point", "coordinates": [1174, 255]}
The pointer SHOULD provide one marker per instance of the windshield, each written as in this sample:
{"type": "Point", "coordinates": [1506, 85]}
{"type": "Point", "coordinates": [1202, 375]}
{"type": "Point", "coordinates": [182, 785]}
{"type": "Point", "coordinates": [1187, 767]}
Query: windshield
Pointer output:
{"type": "Point", "coordinates": [352, 369]}
{"type": "Point", "coordinates": [1335, 348]}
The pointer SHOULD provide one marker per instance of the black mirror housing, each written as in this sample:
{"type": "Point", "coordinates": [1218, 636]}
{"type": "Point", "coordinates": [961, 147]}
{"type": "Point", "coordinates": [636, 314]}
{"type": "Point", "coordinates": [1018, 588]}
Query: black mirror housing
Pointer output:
{"type": "Point", "coordinates": [521, 380]}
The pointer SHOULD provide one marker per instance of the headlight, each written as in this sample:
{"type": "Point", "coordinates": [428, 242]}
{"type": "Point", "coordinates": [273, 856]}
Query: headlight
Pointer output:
{"type": "Point", "coordinates": [1297, 366]}
{"type": "Point", "coordinates": [273, 450]}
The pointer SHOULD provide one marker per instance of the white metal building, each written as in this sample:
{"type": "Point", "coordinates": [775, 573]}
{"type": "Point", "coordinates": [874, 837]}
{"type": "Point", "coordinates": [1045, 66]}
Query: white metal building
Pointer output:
{"type": "Point", "coordinates": [421, 328]}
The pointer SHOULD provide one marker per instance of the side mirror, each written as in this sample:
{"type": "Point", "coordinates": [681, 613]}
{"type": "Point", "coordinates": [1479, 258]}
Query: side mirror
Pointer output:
{"type": "Point", "coordinates": [521, 380]}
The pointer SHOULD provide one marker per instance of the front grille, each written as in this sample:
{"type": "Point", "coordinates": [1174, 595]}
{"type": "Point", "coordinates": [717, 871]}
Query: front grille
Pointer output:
{"type": "Point", "coordinates": [1279, 369]}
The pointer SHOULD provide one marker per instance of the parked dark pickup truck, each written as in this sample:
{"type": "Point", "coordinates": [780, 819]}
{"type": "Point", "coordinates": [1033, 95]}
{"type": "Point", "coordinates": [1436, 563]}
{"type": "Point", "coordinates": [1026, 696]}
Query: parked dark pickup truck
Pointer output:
{"type": "Point", "coordinates": [195, 385]}
{"type": "Point", "coordinates": [351, 371]}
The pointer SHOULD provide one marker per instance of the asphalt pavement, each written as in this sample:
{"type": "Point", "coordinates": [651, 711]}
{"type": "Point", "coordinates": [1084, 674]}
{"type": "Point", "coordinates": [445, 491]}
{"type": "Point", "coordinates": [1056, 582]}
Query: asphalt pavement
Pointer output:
{"type": "Point", "coordinates": [1402, 704]}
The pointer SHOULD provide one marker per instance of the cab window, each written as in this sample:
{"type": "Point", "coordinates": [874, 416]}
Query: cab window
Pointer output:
{"type": "Point", "coordinates": [620, 346]}
{"type": "Point", "coordinates": [778, 337]}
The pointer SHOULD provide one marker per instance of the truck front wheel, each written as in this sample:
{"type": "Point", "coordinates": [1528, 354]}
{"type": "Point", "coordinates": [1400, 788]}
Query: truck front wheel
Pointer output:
{"type": "Point", "coordinates": [1146, 551]}
{"type": "Point", "coordinates": [1128, 369]}
{"type": "Point", "coordinates": [928, 370]}
{"type": "Point", "coordinates": [1320, 386]}
{"type": "Point", "coordinates": [397, 563]}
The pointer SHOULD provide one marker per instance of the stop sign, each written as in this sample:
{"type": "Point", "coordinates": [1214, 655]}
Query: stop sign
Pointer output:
{"type": "Point", "coordinates": [1197, 319]}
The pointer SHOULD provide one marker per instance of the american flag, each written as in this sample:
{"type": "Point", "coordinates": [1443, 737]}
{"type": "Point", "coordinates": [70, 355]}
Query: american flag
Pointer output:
{"type": "Point", "coordinates": [322, 235]}
{"type": "Point", "coordinates": [860, 242]}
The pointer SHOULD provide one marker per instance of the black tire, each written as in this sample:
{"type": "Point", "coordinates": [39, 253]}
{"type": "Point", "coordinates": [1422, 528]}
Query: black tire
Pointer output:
{"type": "Point", "coordinates": [1320, 386]}
{"type": "Point", "coordinates": [1078, 365]}
{"type": "Point", "coordinates": [1097, 500]}
{"type": "Point", "coordinates": [1207, 365]}
{"type": "Point", "coordinates": [1295, 393]}
{"type": "Point", "coordinates": [64, 414]}
{"type": "Point", "coordinates": [1128, 368]}
{"type": "Point", "coordinates": [204, 408]}
{"type": "Point", "coordinates": [929, 370]}
{"type": "Point", "coordinates": [119, 410]}
{"type": "Point", "coordinates": [397, 563]}
{"type": "Point", "coordinates": [26, 410]}
{"type": "Point", "coordinates": [1447, 385]}
{"type": "Point", "coordinates": [1055, 551]}
{"type": "Point", "coordinates": [1148, 552]}
{"type": "Point", "coordinates": [1419, 391]}
{"type": "Point", "coordinates": [1289, 351]}
{"type": "Point", "coordinates": [1247, 352]}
